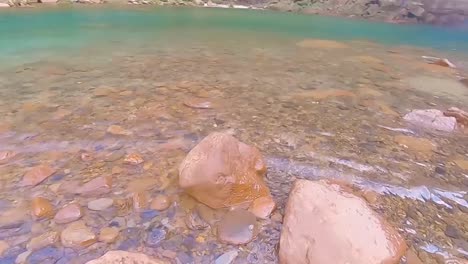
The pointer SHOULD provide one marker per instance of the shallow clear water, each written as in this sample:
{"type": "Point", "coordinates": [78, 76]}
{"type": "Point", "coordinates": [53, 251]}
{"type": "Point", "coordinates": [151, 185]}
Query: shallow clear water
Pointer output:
{"type": "Point", "coordinates": [33, 32]}
{"type": "Point", "coordinates": [315, 110]}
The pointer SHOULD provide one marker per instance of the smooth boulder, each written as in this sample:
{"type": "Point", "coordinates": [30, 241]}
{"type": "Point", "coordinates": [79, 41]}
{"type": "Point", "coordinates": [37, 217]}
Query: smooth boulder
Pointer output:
{"type": "Point", "coordinates": [221, 171]}
{"type": "Point", "coordinates": [324, 224]}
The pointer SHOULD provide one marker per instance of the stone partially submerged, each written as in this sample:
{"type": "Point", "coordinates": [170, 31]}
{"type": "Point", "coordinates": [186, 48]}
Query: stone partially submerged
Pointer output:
{"type": "Point", "coordinates": [460, 115]}
{"type": "Point", "coordinates": [325, 224]}
{"type": "Point", "coordinates": [431, 119]}
{"type": "Point", "coordinates": [439, 61]}
{"type": "Point", "coordinates": [221, 171]}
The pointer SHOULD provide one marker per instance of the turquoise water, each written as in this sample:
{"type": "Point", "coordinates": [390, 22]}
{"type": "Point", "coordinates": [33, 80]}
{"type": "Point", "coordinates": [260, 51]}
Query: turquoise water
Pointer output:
{"type": "Point", "coordinates": [27, 31]}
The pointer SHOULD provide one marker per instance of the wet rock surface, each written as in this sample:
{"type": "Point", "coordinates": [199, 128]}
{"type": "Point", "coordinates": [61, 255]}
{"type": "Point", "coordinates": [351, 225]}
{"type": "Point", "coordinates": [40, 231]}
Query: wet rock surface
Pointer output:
{"type": "Point", "coordinates": [432, 119]}
{"type": "Point", "coordinates": [323, 224]}
{"type": "Point", "coordinates": [222, 171]}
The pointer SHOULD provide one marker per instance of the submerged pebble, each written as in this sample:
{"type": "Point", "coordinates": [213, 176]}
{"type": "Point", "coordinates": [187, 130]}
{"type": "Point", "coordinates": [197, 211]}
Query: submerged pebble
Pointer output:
{"type": "Point", "coordinates": [100, 204]}
{"type": "Point", "coordinates": [155, 236]}
{"type": "Point", "coordinates": [237, 227]}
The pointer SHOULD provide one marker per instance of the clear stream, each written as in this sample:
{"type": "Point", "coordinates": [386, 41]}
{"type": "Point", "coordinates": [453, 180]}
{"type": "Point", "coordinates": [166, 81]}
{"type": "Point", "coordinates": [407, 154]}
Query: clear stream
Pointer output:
{"type": "Point", "coordinates": [321, 97]}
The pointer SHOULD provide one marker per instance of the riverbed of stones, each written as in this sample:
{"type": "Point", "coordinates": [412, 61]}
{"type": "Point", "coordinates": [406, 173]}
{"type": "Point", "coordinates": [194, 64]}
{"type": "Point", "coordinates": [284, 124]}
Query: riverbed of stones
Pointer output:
{"type": "Point", "coordinates": [91, 163]}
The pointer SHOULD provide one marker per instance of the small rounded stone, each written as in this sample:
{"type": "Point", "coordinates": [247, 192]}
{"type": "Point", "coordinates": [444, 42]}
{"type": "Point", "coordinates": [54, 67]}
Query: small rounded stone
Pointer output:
{"type": "Point", "coordinates": [160, 202]}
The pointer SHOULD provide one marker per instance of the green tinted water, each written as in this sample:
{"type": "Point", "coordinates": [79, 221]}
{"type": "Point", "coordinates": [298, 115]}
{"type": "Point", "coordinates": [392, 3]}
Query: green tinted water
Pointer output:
{"type": "Point", "coordinates": [25, 32]}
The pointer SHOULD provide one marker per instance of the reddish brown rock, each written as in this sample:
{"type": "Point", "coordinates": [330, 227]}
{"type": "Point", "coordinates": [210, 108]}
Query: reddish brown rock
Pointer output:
{"type": "Point", "coordinates": [96, 186]}
{"type": "Point", "coordinates": [41, 208]}
{"type": "Point", "coordinates": [262, 207]}
{"type": "Point", "coordinates": [37, 175]}
{"type": "Point", "coordinates": [221, 171]}
{"type": "Point", "coordinates": [77, 234]}
{"type": "Point", "coordinates": [160, 202]}
{"type": "Point", "coordinates": [134, 159]}
{"type": "Point", "coordinates": [68, 213]}
{"type": "Point", "coordinates": [460, 115]}
{"type": "Point", "coordinates": [124, 257]}
{"type": "Point", "coordinates": [199, 103]}
{"type": "Point", "coordinates": [325, 224]}
{"type": "Point", "coordinates": [43, 241]}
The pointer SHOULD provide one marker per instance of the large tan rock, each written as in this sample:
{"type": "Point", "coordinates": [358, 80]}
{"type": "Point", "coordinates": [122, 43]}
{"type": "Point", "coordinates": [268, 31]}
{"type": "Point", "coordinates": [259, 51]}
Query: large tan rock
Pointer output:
{"type": "Point", "coordinates": [325, 224]}
{"type": "Point", "coordinates": [221, 171]}
{"type": "Point", "coordinates": [125, 257]}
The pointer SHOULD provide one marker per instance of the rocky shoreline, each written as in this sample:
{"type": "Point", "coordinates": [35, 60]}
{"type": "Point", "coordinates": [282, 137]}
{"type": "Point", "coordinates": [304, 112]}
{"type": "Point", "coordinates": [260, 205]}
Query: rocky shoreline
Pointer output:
{"type": "Point", "coordinates": [436, 12]}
